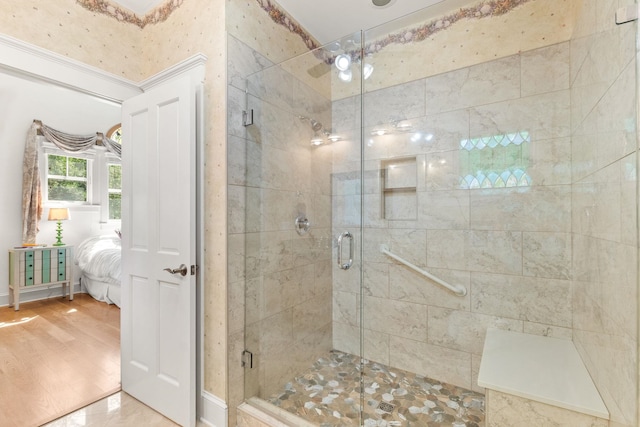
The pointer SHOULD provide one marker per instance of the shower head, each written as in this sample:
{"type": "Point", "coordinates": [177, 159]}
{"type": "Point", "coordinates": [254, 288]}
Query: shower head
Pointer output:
{"type": "Point", "coordinates": [316, 126]}
{"type": "Point", "coordinates": [320, 133]}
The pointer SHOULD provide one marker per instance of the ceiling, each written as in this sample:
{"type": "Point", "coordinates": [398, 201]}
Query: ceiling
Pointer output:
{"type": "Point", "coordinates": [328, 20]}
{"type": "Point", "coordinates": [140, 7]}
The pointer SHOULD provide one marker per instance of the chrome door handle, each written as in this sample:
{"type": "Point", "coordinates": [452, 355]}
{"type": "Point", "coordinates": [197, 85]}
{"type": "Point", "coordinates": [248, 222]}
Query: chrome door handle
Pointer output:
{"type": "Point", "coordinates": [182, 270]}
{"type": "Point", "coordinates": [345, 265]}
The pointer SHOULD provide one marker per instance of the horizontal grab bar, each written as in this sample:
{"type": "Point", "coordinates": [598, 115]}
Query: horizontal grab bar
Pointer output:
{"type": "Point", "coordinates": [456, 289]}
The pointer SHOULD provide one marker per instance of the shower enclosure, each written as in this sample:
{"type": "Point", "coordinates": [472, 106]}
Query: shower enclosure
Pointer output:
{"type": "Point", "coordinates": [397, 192]}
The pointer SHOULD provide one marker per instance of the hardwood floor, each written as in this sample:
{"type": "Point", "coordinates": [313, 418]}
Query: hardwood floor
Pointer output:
{"type": "Point", "coordinates": [56, 356]}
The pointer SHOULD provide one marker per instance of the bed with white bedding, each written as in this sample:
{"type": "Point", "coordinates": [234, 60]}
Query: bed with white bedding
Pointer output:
{"type": "Point", "coordinates": [99, 260]}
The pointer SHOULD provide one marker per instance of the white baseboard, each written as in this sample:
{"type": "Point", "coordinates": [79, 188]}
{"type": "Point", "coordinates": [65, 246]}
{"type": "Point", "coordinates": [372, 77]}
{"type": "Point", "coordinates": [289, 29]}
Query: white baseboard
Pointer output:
{"type": "Point", "coordinates": [38, 294]}
{"type": "Point", "coordinates": [214, 411]}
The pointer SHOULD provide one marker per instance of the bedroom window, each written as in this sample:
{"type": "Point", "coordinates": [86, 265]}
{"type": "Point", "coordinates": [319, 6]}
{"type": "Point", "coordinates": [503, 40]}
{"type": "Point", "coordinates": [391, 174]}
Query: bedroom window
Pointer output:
{"type": "Point", "coordinates": [114, 177]}
{"type": "Point", "coordinates": [115, 191]}
{"type": "Point", "coordinates": [91, 178]}
{"type": "Point", "coordinates": [115, 133]}
{"type": "Point", "coordinates": [67, 178]}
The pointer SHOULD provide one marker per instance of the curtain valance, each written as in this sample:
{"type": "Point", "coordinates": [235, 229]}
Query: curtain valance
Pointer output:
{"type": "Point", "coordinates": [75, 143]}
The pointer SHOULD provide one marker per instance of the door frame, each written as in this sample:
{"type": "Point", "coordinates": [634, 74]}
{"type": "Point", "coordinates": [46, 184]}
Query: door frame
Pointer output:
{"type": "Point", "coordinates": [31, 61]}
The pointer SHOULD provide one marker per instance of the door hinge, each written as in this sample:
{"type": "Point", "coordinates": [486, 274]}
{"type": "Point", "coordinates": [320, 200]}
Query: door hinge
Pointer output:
{"type": "Point", "coordinates": [194, 269]}
{"type": "Point", "coordinates": [627, 14]}
{"type": "Point", "coordinates": [247, 359]}
{"type": "Point", "coordinates": [247, 118]}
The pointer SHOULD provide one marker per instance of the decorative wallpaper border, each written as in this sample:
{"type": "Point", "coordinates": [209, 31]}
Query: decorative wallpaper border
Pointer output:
{"type": "Point", "coordinates": [283, 18]}
{"type": "Point", "coordinates": [484, 9]}
{"type": "Point", "coordinates": [158, 14]}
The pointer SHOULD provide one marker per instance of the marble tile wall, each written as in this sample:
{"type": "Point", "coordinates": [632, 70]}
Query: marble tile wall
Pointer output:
{"type": "Point", "coordinates": [604, 204]}
{"type": "Point", "coordinates": [280, 300]}
{"type": "Point", "coordinates": [530, 256]}
{"type": "Point", "coordinates": [510, 247]}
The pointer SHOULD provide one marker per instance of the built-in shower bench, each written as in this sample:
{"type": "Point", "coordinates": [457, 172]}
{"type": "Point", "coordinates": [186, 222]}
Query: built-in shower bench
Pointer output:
{"type": "Point", "coordinates": [536, 380]}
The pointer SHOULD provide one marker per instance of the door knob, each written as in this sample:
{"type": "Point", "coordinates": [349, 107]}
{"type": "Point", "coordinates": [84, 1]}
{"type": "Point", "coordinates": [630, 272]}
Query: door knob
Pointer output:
{"type": "Point", "coordinates": [182, 270]}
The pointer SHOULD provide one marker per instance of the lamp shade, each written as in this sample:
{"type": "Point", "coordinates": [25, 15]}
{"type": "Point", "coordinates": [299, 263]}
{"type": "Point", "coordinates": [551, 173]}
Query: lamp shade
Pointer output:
{"type": "Point", "coordinates": [58, 214]}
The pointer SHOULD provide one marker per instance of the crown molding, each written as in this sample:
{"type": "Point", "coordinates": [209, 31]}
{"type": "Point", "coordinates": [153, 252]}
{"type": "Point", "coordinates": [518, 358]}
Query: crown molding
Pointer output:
{"type": "Point", "coordinates": [194, 65]}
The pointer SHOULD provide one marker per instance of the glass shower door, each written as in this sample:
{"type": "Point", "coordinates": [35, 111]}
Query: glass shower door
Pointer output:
{"type": "Point", "coordinates": [296, 230]}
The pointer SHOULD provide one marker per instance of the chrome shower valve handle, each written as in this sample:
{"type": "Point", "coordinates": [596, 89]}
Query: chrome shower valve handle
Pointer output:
{"type": "Point", "coordinates": [302, 225]}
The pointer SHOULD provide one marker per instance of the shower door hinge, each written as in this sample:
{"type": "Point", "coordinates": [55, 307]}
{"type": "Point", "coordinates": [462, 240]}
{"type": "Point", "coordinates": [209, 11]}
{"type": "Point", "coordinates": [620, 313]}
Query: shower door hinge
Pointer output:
{"type": "Point", "coordinates": [247, 118]}
{"type": "Point", "coordinates": [627, 14]}
{"type": "Point", "coordinates": [247, 359]}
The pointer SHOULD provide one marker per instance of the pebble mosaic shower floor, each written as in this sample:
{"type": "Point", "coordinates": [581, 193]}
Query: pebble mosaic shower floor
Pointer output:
{"type": "Point", "coordinates": [328, 395]}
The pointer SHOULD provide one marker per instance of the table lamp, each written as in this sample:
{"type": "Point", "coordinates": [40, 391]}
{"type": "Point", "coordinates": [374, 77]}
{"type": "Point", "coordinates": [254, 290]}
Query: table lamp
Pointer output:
{"type": "Point", "coordinates": [58, 214]}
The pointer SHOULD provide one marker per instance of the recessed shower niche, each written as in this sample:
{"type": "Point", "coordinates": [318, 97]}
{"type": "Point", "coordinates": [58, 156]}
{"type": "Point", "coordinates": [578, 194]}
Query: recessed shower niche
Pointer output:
{"type": "Point", "coordinates": [399, 183]}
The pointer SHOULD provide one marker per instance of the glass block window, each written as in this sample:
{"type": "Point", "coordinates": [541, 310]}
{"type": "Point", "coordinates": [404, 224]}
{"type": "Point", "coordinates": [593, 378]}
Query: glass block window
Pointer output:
{"type": "Point", "coordinates": [497, 161]}
{"type": "Point", "coordinates": [495, 141]}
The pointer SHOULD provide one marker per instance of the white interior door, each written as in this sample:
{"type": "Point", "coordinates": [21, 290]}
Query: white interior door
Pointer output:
{"type": "Point", "coordinates": [158, 330]}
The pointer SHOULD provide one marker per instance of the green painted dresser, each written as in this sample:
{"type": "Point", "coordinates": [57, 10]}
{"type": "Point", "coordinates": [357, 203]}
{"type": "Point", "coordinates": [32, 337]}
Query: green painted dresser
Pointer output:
{"type": "Point", "coordinates": [39, 267]}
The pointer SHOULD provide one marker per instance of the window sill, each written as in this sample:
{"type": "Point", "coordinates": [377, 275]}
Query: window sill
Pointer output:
{"type": "Point", "coordinates": [72, 206]}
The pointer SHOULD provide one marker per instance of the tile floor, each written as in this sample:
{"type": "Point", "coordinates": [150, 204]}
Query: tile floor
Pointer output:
{"type": "Point", "coordinates": [329, 395]}
{"type": "Point", "coordinates": [117, 410]}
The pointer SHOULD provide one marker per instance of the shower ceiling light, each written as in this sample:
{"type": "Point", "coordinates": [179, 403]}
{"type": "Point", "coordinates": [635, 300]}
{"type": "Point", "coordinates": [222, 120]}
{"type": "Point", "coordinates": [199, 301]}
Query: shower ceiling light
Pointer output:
{"type": "Point", "coordinates": [380, 3]}
{"type": "Point", "coordinates": [317, 140]}
{"type": "Point", "coordinates": [367, 71]}
{"type": "Point", "coordinates": [345, 76]}
{"type": "Point", "coordinates": [343, 62]}
{"type": "Point", "coordinates": [333, 47]}
{"type": "Point", "coordinates": [378, 131]}
{"type": "Point", "coordinates": [334, 138]}
{"type": "Point", "coordinates": [350, 44]}
{"type": "Point", "coordinates": [402, 125]}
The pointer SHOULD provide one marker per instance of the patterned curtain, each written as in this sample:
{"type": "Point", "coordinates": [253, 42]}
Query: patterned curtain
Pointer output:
{"type": "Point", "coordinates": [31, 186]}
{"type": "Point", "coordinates": [31, 190]}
